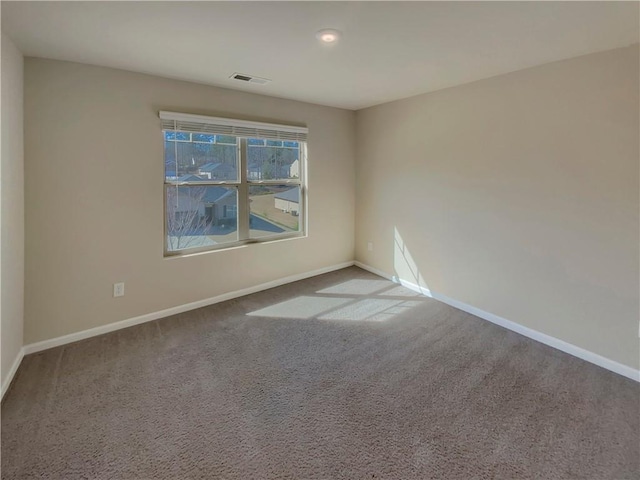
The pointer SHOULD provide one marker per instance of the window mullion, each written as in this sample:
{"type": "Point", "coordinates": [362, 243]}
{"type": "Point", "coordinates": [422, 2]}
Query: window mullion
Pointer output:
{"type": "Point", "coordinates": [243, 193]}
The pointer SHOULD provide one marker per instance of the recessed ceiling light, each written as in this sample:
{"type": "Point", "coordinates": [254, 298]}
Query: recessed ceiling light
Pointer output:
{"type": "Point", "coordinates": [328, 35]}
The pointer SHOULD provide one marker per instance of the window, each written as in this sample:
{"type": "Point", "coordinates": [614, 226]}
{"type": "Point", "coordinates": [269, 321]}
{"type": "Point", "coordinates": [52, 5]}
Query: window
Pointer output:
{"type": "Point", "coordinates": [230, 182]}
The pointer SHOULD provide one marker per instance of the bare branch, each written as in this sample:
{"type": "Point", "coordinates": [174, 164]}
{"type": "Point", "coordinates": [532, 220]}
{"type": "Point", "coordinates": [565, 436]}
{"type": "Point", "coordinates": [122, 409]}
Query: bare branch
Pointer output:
{"type": "Point", "coordinates": [185, 220]}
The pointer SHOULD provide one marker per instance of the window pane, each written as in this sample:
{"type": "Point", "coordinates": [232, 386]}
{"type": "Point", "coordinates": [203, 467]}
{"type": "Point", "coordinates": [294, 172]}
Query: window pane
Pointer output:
{"type": "Point", "coordinates": [200, 216]}
{"type": "Point", "coordinates": [274, 209]}
{"type": "Point", "coordinates": [204, 137]}
{"type": "Point", "coordinates": [180, 136]}
{"type": "Point", "coordinates": [272, 160]}
{"type": "Point", "coordinates": [226, 139]}
{"type": "Point", "coordinates": [200, 157]}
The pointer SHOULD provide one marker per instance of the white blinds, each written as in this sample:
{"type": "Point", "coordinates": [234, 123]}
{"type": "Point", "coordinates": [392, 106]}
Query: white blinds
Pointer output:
{"type": "Point", "coordinates": [226, 126]}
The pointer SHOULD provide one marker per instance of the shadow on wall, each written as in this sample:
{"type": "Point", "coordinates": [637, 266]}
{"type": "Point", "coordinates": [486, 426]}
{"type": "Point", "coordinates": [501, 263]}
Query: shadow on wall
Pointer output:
{"type": "Point", "coordinates": [354, 300]}
{"type": "Point", "coordinates": [405, 269]}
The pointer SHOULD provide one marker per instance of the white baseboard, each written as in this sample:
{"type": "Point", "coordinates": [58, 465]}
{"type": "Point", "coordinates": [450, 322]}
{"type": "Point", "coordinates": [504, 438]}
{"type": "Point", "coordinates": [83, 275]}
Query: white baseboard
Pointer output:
{"type": "Point", "coordinates": [561, 345]}
{"type": "Point", "coordinates": [92, 332]}
{"type": "Point", "coordinates": [586, 355]}
{"type": "Point", "coordinates": [12, 371]}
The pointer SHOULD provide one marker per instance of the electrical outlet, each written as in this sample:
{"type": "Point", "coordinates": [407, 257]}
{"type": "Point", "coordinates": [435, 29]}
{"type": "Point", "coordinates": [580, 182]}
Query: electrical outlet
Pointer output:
{"type": "Point", "coordinates": [370, 246]}
{"type": "Point", "coordinates": [118, 289]}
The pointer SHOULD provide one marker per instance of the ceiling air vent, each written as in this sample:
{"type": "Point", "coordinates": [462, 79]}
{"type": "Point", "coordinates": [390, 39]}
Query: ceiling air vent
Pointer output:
{"type": "Point", "coordinates": [249, 79]}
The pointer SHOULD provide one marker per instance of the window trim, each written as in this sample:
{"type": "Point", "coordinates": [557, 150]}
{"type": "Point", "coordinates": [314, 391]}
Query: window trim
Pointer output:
{"type": "Point", "coordinates": [243, 183]}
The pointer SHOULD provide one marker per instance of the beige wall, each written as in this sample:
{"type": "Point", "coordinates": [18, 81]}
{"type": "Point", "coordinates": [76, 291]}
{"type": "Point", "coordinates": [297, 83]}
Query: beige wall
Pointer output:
{"type": "Point", "coordinates": [94, 196]}
{"type": "Point", "coordinates": [12, 209]}
{"type": "Point", "coordinates": [517, 195]}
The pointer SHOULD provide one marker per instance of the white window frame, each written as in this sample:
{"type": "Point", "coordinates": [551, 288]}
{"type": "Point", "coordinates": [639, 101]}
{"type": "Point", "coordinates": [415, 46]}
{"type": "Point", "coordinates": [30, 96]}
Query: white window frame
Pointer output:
{"type": "Point", "coordinates": [242, 130]}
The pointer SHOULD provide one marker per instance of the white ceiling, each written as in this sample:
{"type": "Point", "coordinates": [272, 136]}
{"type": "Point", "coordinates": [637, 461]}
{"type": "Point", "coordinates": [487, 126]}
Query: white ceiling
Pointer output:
{"type": "Point", "coordinates": [389, 50]}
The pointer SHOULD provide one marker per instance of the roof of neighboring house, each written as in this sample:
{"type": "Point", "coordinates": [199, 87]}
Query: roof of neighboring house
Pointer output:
{"type": "Point", "coordinates": [291, 195]}
{"type": "Point", "coordinates": [190, 178]}
{"type": "Point", "coordinates": [212, 194]}
{"type": "Point", "coordinates": [210, 167]}
{"type": "Point", "coordinates": [215, 194]}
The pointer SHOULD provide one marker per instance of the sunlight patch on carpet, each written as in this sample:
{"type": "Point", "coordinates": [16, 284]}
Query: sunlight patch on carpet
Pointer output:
{"type": "Point", "coordinates": [301, 307]}
{"type": "Point", "coordinates": [375, 310]}
{"type": "Point", "coordinates": [357, 287]}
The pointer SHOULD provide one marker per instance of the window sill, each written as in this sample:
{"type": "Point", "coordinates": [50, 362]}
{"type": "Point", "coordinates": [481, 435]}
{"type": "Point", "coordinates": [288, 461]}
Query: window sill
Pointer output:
{"type": "Point", "coordinates": [232, 246]}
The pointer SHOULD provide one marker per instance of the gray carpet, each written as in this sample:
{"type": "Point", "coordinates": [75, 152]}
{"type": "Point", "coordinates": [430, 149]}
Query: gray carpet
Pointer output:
{"type": "Point", "coordinates": [342, 376]}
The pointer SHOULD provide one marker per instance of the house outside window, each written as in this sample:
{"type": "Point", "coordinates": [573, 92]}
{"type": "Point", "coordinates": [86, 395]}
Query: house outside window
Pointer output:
{"type": "Point", "coordinates": [231, 182]}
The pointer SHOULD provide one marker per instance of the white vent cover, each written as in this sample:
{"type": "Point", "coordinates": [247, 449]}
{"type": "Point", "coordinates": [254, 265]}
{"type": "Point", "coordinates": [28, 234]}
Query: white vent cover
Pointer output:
{"type": "Point", "coordinates": [243, 77]}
